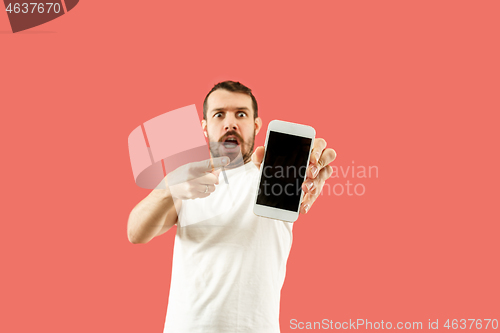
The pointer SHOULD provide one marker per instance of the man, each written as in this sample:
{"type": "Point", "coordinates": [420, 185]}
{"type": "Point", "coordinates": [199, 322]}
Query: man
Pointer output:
{"type": "Point", "coordinates": [229, 264]}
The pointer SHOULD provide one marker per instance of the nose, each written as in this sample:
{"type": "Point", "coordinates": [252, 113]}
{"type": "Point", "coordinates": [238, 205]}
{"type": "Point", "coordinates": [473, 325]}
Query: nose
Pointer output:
{"type": "Point", "coordinates": [230, 122]}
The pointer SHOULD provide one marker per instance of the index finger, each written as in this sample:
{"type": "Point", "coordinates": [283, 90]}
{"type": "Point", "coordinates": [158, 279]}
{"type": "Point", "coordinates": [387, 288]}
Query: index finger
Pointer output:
{"type": "Point", "coordinates": [318, 147]}
{"type": "Point", "coordinates": [211, 164]}
{"type": "Point", "coordinates": [219, 162]}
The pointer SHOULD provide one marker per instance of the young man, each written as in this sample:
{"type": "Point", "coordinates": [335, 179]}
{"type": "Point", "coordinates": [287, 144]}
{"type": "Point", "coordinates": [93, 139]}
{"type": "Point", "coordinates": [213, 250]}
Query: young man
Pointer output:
{"type": "Point", "coordinates": [229, 264]}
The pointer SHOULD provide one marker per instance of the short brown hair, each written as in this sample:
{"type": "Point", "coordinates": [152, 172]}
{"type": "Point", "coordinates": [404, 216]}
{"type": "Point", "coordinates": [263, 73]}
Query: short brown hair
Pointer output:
{"type": "Point", "coordinates": [233, 87]}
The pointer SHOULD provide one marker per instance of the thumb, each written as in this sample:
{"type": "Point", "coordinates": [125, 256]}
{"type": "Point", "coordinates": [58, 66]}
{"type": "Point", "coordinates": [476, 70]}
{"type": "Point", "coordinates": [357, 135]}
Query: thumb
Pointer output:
{"type": "Point", "coordinates": [258, 156]}
{"type": "Point", "coordinates": [216, 174]}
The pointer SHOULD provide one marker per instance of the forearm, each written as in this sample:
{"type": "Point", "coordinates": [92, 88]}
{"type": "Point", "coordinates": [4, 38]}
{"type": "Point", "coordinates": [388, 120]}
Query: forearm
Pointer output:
{"type": "Point", "coordinates": [153, 214]}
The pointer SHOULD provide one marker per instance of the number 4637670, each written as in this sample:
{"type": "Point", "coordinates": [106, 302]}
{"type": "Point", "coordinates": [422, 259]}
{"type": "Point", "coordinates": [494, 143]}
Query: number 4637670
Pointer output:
{"type": "Point", "coordinates": [474, 323]}
{"type": "Point", "coordinates": [34, 7]}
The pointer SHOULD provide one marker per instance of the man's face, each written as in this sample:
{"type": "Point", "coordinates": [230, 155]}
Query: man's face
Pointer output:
{"type": "Point", "coordinates": [230, 125]}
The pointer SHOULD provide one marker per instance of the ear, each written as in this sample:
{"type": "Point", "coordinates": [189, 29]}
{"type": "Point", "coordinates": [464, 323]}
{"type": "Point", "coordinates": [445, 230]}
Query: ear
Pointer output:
{"type": "Point", "coordinates": [204, 127]}
{"type": "Point", "coordinates": [258, 125]}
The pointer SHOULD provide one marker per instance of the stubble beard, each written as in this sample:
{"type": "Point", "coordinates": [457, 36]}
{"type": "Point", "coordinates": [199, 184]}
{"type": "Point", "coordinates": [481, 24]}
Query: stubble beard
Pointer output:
{"type": "Point", "coordinates": [234, 161]}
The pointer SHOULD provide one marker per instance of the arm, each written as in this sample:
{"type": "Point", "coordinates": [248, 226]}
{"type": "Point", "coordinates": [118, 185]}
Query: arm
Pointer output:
{"type": "Point", "coordinates": [157, 213]}
{"type": "Point", "coordinates": [153, 216]}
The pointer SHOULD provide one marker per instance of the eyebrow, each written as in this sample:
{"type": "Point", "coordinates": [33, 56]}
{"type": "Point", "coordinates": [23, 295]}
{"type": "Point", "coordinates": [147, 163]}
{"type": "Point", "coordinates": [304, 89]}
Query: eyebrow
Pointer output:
{"type": "Point", "coordinates": [242, 108]}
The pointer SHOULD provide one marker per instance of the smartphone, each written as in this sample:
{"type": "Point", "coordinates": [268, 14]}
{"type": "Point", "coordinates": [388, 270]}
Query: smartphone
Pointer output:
{"type": "Point", "coordinates": [283, 170]}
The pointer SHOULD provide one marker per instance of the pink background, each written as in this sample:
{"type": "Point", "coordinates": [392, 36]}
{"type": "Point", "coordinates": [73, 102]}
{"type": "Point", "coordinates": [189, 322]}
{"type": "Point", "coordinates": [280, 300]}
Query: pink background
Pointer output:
{"type": "Point", "coordinates": [409, 87]}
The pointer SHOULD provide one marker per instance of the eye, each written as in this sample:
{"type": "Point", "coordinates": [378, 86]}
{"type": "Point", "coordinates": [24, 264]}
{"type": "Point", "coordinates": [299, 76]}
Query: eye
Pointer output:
{"type": "Point", "coordinates": [242, 114]}
{"type": "Point", "coordinates": [218, 115]}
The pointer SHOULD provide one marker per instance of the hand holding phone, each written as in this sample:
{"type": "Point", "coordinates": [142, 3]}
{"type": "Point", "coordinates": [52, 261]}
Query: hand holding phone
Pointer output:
{"type": "Point", "coordinates": [283, 170]}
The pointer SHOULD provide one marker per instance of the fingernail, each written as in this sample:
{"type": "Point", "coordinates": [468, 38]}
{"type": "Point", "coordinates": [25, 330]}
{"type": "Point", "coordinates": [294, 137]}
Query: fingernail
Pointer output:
{"type": "Point", "coordinates": [317, 155]}
{"type": "Point", "coordinates": [224, 160]}
{"type": "Point", "coordinates": [314, 171]}
{"type": "Point", "coordinates": [309, 185]}
{"type": "Point", "coordinates": [306, 207]}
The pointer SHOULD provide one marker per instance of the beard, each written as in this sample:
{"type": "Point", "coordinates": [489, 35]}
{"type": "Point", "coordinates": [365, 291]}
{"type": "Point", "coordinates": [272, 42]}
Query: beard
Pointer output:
{"type": "Point", "coordinates": [238, 157]}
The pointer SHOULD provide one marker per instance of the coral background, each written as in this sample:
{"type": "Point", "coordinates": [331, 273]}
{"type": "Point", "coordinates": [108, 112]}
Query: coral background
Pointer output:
{"type": "Point", "coordinates": [409, 87]}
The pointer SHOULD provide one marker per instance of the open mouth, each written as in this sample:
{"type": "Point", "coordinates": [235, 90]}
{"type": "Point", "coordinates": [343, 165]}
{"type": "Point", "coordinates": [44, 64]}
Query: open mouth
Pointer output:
{"type": "Point", "coordinates": [230, 142]}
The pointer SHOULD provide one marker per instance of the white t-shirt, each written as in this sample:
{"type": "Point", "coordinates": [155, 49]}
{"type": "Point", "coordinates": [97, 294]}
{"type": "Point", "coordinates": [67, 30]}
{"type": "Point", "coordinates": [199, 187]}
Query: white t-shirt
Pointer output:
{"type": "Point", "coordinates": [228, 264]}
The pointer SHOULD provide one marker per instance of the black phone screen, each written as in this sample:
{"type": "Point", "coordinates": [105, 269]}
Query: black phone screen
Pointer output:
{"type": "Point", "coordinates": [284, 171]}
